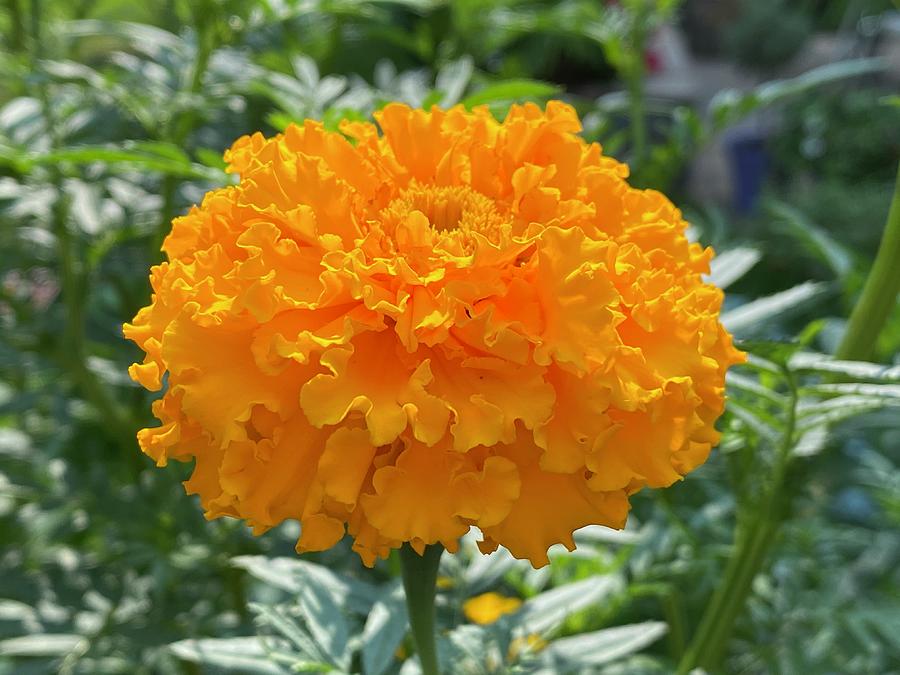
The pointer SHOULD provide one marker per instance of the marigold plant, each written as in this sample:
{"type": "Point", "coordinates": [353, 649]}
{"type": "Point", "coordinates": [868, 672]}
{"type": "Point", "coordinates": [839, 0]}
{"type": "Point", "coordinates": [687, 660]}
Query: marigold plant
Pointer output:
{"type": "Point", "coordinates": [452, 322]}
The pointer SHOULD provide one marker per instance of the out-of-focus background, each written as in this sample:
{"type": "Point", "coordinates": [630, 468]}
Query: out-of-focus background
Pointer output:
{"type": "Point", "coordinates": [774, 125]}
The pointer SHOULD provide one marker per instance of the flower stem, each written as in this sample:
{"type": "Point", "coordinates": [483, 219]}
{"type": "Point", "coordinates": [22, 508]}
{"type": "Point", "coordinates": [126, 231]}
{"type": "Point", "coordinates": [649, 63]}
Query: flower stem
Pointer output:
{"type": "Point", "coordinates": [419, 582]}
{"type": "Point", "coordinates": [879, 295]}
{"type": "Point", "coordinates": [753, 542]}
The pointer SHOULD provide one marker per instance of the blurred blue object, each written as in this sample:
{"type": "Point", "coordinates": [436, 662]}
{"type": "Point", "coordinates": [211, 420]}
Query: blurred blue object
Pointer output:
{"type": "Point", "coordinates": [749, 166]}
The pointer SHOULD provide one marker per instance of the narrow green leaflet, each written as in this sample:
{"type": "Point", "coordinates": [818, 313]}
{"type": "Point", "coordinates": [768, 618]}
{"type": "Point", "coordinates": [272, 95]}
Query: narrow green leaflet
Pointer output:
{"type": "Point", "coordinates": [150, 40]}
{"type": "Point", "coordinates": [385, 628]}
{"type": "Point", "coordinates": [856, 370]}
{"type": "Point", "coordinates": [325, 621]}
{"type": "Point", "coordinates": [282, 622]}
{"type": "Point", "coordinates": [47, 644]}
{"type": "Point", "coordinates": [821, 244]}
{"type": "Point", "coordinates": [245, 655]}
{"type": "Point", "coordinates": [589, 650]}
{"type": "Point", "coordinates": [752, 317]}
{"type": "Point", "coordinates": [291, 574]}
{"type": "Point", "coordinates": [510, 90]}
{"type": "Point", "coordinates": [730, 106]}
{"type": "Point", "coordinates": [543, 613]}
{"type": "Point", "coordinates": [729, 266]}
{"type": "Point", "coordinates": [162, 157]}
{"type": "Point", "coordinates": [486, 570]}
{"type": "Point", "coordinates": [452, 80]}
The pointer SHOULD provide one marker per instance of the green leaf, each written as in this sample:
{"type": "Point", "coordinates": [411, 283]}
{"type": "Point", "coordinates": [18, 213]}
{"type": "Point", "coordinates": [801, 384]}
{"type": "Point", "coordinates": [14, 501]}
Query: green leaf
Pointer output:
{"type": "Point", "coordinates": [543, 613]}
{"type": "Point", "coordinates": [754, 421]}
{"type": "Point", "coordinates": [150, 40]}
{"type": "Point", "coordinates": [486, 570]}
{"type": "Point", "coordinates": [162, 157]}
{"type": "Point", "coordinates": [47, 644]}
{"type": "Point", "coordinates": [510, 90]}
{"type": "Point", "coordinates": [730, 106]}
{"type": "Point", "coordinates": [891, 391]}
{"type": "Point", "coordinates": [811, 443]}
{"type": "Point", "coordinates": [778, 352]}
{"type": "Point", "coordinates": [822, 413]}
{"type": "Point", "coordinates": [287, 627]}
{"type": "Point", "coordinates": [291, 574]}
{"type": "Point", "coordinates": [604, 646]}
{"type": "Point", "coordinates": [241, 655]}
{"type": "Point", "coordinates": [755, 315]}
{"type": "Point", "coordinates": [325, 621]}
{"type": "Point", "coordinates": [729, 266]}
{"type": "Point", "coordinates": [384, 630]}
{"type": "Point", "coordinates": [814, 238]}
{"type": "Point", "coordinates": [452, 80]}
{"type": "Point", "coordinates": [752, 386]}
{"type": "Point", "coordinates": [857, 370]}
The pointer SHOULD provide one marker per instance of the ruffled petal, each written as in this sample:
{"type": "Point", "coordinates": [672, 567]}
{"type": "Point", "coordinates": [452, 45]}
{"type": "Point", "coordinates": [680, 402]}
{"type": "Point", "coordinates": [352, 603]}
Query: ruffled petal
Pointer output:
{"type": "Point", "coordinates": [550, 507]}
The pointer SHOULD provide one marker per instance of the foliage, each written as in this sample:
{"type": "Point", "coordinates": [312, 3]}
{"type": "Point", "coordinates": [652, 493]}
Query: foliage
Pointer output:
{"type": "Point", "coordinates": [113, 119]}
{"type": "Point", "coordinates": [771, 33]}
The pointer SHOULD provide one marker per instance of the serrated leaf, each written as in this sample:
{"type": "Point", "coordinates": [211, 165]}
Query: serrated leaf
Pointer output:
{"type": "Point", "coordinates": [604, 646]}
{"type": "Point", "coordinates": [729, 266]}
{"type": "Point", "coordinates": [753, 316]}
{"type": "Point", "coordinates": [244, 655]}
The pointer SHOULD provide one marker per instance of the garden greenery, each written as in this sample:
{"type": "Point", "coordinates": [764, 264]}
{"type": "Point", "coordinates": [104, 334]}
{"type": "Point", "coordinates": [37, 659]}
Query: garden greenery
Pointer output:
{"type": "Point", "coordinates": [779, 554]}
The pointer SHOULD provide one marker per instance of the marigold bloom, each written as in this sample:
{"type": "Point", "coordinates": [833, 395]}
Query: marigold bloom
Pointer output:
{"type": "Point", "coordinates": [488, 607]}
{"type": "Point", "coordinates": [456, 322]}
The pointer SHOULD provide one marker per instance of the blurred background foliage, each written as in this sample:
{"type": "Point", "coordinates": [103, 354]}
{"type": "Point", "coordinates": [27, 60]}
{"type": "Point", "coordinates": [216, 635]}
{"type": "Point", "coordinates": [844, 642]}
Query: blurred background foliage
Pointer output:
{"type": "Point", "coordinates": [774, 124]}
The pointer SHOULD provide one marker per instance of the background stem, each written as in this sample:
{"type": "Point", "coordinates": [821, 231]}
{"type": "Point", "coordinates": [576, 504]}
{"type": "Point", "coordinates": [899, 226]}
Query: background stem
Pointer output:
{"type": "Point", "coordinates": [419, 582]}
{"type": "Point", "coordinates": [879, 296]}
{"type": "Point", "coordinates": [752, 546]}
{"type": "Point", "coordinates": [74, 352]}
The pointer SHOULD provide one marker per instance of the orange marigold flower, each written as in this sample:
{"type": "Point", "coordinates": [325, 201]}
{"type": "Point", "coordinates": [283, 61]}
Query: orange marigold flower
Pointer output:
{"type": "Point", "coordinates": [488, 607]}
{"type": "Point", "coordinates": [454, 322]}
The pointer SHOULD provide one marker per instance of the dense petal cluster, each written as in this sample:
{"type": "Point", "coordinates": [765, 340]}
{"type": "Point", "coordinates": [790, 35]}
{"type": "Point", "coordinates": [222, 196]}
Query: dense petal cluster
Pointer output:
{"type": "Point", "coordinates": [452, 322]}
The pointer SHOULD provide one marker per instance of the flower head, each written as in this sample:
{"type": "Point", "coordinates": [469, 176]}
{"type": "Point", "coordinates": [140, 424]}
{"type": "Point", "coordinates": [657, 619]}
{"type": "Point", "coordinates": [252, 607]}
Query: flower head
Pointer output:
{"type": "Point", "coordinates": [454, 322]}
{"type": "Point", "coordinates": [489, 607]}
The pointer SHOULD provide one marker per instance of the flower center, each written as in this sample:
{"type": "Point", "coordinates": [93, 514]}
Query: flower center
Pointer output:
{"type": "Point", "coordinates": [447, 207]}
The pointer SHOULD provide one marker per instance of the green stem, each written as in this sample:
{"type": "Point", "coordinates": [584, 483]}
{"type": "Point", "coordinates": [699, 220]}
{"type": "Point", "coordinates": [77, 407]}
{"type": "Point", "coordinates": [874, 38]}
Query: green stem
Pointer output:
{"type": "Point", "coordinates": [179, 129]}
{"type": "Point", "coordinates": [638, 113]}
{"type": "Point", "coordinates": [753, 542]}
{"type": "Point", "coordinates": [72, 277]}
{"type": "Point", "coordinates": [879, 296]}
{"type": "Point", "coordinates": [420, 583]}
{"type": "Point", "coordinates": [17, 30]}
